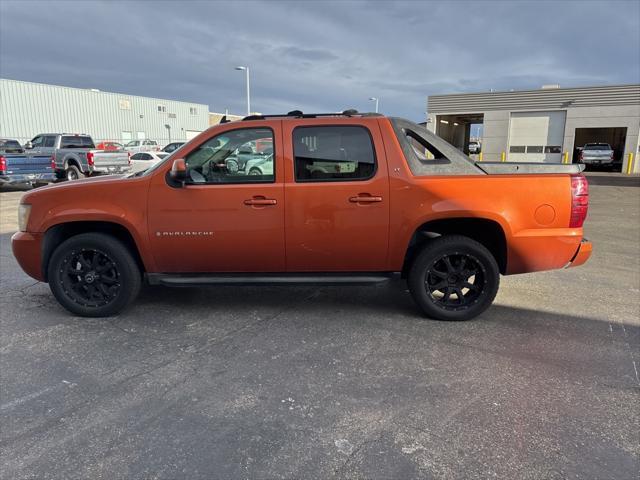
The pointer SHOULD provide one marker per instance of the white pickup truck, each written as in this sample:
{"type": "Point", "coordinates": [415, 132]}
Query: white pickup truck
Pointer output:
{"type": "Point", "coordinates": [598, 154]}
{"type": "Point", "coordinates": [76, 156]}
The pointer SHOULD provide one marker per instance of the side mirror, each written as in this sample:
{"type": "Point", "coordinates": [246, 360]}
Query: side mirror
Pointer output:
{"type": "Point", "coordinates": [28, 146]}
{"type": "Point", "coordinates": [178, 171]}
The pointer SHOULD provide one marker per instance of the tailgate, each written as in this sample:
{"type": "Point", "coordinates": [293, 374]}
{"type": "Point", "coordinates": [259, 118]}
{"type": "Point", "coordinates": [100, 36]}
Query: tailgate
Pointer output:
{"type": "Point", "coordinates": [110, 159]}
{"type": "Point", "coordinates": [596, 154]}
{"type": "Point", "coordinates": [25, 165]}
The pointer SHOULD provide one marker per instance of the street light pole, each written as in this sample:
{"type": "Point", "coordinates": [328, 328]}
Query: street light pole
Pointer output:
{"type": "Point", "coordinates": [246, 69]}
{"type": "Point", "coordinates": [375, 99]}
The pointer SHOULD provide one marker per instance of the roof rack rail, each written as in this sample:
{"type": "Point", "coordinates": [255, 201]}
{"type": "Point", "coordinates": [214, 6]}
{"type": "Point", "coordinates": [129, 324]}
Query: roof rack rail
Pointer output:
{"type": "Point", "coordinates": [300, 114]}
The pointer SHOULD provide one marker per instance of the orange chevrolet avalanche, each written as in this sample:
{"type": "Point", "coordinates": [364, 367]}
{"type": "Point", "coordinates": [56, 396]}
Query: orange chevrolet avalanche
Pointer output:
{"type": "Point", "coordinates": [306, 199]}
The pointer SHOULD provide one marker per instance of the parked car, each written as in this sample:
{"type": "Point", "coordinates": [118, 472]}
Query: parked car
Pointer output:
{"type": "Point", "coordinates": [75, 155]}
{"type": "Point", "coordinates": [142, 146]}
{"type": "Point", "coordinates": [254, 150]}
{"type": "Point", "coordinates": [474, 147]}
{"type": "Point", "coordinates": [448, 225]}
{"type": "Point", "coordinates": [172, 147]}
{"type": "Point", "coordinates": [143, 160]}
{"type": "Point", "coordinates": [598, 154]}
{"type": "Point", "coordinates": [109, 146]}
{"type": "Point", "coordinates": [18, 168]}
{"type": "Point", "coordinates": [260, 166]}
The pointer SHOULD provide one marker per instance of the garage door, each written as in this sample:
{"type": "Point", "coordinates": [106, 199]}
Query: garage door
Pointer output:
{"type": "Point", "coordinates": [192, 134]}
{"type": "Point", "coordinates": [536, 136]}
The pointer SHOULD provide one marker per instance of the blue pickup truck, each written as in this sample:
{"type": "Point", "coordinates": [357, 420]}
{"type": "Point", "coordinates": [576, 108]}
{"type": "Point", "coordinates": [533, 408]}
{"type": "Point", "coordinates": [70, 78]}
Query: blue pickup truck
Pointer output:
{"type": "Point", "coordinates": [16, 167]}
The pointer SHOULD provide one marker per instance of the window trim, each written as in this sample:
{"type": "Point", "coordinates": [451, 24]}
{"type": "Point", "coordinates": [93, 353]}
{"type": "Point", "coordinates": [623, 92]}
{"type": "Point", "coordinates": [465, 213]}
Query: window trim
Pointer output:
{"type": "Point", "coordinates": [333, 180]}
{"type": "Point", "coordinates": [226, 132]}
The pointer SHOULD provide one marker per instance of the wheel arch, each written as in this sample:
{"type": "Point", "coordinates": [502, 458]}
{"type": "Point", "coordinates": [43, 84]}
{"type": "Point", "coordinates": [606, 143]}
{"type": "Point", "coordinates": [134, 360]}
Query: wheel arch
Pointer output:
{"type": "Point", "coordinates": [485, 231]}
{"type": "Point", "coordinates": [57, 234]}
{"type": "Point", "coordinates": [72, 160]}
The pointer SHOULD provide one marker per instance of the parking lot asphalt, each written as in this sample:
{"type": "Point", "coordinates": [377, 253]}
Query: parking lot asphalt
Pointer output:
{"type": "Point", "coordinates": [332, 382]}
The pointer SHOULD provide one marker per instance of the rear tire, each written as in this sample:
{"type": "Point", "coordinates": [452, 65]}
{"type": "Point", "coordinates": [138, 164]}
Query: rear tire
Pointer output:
{"type": "Point", "coordinates": [73, 173]}
{"type": "Point", "coordinates": [454, 278]}
{"type": "Point", "coordinates": [93, 275]}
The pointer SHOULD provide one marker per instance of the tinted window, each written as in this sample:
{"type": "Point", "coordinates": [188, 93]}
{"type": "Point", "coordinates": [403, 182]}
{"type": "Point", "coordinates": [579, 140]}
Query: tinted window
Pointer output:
{"type": "Point", "coordinates": [333, 153]}
{"type": "Point", "coordinates": [49, 141]}
{"type": "Point", "coordinates": [517, 149]}
{"type": "Point", "coordinates": [137, 156]}
{"type": "Point", "coordinates": [231, 157]}
{"type": "Point", "coordinates": [76, 141]}
{"type": "Point", "coordinates": [10, 146]}
{"type": "Point", "coordinates": [597, 146]}
{"type": "Point", "coordinates": [534, 149]}
{"type": "Point", "coordinates": [552, 149]}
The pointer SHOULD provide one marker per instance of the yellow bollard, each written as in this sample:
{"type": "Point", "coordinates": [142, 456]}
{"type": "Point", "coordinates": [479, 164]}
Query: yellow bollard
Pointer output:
{"type": "Point", "coordinates": [565, 157]}
{"type": "Point", "coordinates": [503, 157]}
{"type": "Point", "coordinates": [630, 163]}
{"type": "Point", "coordinates": [480, 157]}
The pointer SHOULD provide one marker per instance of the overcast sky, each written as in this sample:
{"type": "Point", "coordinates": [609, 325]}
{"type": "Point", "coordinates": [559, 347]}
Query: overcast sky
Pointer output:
{"type": "Point", "coordinates": [319, 56]}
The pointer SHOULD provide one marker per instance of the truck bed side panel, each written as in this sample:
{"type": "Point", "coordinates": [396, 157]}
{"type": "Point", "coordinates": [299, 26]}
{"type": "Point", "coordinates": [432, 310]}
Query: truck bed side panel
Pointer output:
{"type": "Point", "coordinates": [533, 211]}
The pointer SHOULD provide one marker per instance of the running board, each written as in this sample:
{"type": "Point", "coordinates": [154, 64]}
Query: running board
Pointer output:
{"type": "Point", "coordinates": [192, 279]}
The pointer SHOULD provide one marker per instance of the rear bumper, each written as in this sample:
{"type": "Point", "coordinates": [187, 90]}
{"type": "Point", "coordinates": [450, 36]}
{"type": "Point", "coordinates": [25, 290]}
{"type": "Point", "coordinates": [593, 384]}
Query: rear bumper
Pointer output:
{"type": "Point", "coordinates": [109, 169]}
{"type": "Point", "coordinates": [582, 254]}
{"type": "Point", "coordinates": [598, 161]}
{"type": "Point", "coordinates": [546, 249]}
{"type": "Point", "coordinates": [27, 248]}
{"type": "Point", "coordinates": [27, 178]}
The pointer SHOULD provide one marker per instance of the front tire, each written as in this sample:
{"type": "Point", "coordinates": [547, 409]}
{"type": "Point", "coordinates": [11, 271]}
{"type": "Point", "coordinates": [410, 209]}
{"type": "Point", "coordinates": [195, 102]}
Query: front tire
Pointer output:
{"type": "Point", "coordinates": [454, 278]}
{"type": "Point", "coordinates": [93, 275]}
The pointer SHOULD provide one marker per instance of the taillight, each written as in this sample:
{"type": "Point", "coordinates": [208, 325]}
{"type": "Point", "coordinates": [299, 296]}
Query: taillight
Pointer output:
{"type": "Point", "coordinates": [579, 200]}
{"type": "Point", "coordinates": [611, 157]}
{"type": "Point", "coordinates": [53, 162]}
{"type": "Point", "coordinates": [90, 159]}
{"type": "Point", "coordinates": [3, 164]}
{"type": "Point", "coordinates": [129, 158]}
{"type": "Point", "coordinates": [581, 156]}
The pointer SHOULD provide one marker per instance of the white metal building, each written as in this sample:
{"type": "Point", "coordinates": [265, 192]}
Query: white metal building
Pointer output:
{"type": "Point", "coordinates": [27, 109]}
{"type": "Point", "coordinates": [545, 125]}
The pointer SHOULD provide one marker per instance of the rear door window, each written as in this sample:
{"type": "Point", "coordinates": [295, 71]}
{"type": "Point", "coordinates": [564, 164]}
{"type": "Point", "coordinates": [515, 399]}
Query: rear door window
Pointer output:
{"type": "Point", "coordinates": [333, 153]}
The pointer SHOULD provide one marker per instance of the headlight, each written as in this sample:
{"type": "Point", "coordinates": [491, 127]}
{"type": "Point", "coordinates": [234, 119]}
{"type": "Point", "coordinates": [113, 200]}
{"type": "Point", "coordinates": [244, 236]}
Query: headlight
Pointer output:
{"type": "Point", "coordinates": [23, 216]}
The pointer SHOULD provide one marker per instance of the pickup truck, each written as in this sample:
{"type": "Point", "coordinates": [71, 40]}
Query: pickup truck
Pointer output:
{"type": "Point", "coordinates": [75, 156]}
{"type": "Point", "coordinates": [413, 206]}
{"type": "Point", "coordinates": [598, 154]}
{"type": "Point", "coordinates": [18, 168]}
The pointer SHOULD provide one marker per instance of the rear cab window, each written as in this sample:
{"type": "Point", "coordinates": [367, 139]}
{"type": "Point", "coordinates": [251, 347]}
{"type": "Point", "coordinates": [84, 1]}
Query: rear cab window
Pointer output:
{"type": "Point", "coordinates": [76, 141]}
{"type": "Point", "coordinates": [330, 153]}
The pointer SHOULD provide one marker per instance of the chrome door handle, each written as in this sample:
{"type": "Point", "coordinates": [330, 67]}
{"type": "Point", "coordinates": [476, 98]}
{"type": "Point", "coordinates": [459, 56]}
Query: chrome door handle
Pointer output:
{"type": "Point", "coordinates": [365, 199]}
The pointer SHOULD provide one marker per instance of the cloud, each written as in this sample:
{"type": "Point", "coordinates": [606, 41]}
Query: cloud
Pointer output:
{"type": "Point", "coordinates": [319, 56]}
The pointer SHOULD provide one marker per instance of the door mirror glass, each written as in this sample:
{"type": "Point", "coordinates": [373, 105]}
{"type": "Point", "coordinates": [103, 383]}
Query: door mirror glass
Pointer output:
{"type": "Point", "coordinates": [28, 145]}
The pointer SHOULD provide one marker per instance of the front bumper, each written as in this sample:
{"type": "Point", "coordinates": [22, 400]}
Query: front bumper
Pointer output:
{"type": "Point", "coordinates": [27, 178]}
{"type": "Point", "coordinates": [27, 248]}
{"type": "Point", "coordinates": [582, 254]}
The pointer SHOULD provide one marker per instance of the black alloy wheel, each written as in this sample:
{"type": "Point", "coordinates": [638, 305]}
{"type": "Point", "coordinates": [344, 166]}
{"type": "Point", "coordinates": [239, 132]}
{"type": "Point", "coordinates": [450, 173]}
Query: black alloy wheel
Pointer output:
{"type": "Point", "coordinates": [89, 277]}
{"type": "Point", "coordinates": [455, 281]}
{"type": "Point", "coordinates": [94, 275]}
{"type": "Point", "coordinates": [454, 278]}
